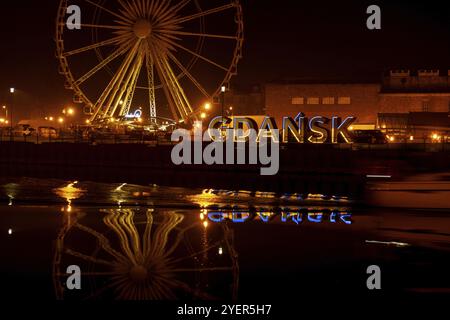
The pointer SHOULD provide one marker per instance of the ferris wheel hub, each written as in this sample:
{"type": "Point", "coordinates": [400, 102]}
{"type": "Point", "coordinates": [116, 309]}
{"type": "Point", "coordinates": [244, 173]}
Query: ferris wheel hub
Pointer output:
{"type": "Point", "coordinates": [142, 28]}
{"type": "Point", "coordinates": [138, 273]}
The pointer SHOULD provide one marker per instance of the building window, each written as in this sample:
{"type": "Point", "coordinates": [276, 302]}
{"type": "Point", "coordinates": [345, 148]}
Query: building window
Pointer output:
{"type": "Point", "coordinates": [425, 105]}
{"type": "Point", "coordinates": [344, 100]}
{"type": "Point", "coordinates": [298, 100]}
{"type": "Point", "coordinates": [313, 100]}
{"type": "Point", "coordinates": [328, 100]}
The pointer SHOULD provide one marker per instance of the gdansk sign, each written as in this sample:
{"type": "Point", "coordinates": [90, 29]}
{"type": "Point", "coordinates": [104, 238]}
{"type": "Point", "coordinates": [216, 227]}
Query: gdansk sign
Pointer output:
{"type": "Point", "coordinates": [300, 129]}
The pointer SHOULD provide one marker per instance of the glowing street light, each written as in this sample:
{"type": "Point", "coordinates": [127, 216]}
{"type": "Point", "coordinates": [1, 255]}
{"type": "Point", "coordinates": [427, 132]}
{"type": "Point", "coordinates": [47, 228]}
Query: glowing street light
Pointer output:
{"type": "Point", "coordinates": [12, 90]}
{"type": "Point", "coordinates": [203, 115]}
{"type": "Point", "coordinates": [60, 120]}
{"type": "Point", "coordinates": [70, 112]}
{"type": "Point", "coordinates": [207, 106]}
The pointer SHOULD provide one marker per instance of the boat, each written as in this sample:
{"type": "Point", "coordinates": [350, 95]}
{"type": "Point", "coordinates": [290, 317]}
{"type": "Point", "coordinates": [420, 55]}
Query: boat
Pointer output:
{"type": "Point", "coordinates": [418, 191]}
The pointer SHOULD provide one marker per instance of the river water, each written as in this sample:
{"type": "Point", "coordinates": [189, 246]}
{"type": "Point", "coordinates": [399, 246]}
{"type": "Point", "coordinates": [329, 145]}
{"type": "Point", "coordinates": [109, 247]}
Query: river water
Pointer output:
{"type": "Point", "coordinates": [156, 243]}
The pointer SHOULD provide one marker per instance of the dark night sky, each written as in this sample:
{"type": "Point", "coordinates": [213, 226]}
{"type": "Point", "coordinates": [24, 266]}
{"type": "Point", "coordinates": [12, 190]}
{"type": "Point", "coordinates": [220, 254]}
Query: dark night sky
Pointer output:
{"type": "Point", "coordinates": [284, 38]}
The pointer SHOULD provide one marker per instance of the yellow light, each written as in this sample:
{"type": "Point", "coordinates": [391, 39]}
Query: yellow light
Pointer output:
{"type": "Point", "coordinates": [12, 90]}
{"type": "Point", "coordinates": [351, 128]}
{"type": "Point", "coordinates": [220, 250]}
{"type": "Point", "coordinates": [231, 108]}
{"type": "Point", "coordinates": [60, 120]}
{"type": "Point", "coordinates": [50, 118]}
{"type": "Point", "coordinates": [207, 106]}
{"type": "Point", "coordinates": [223, 89]}
{"type": "Point", "coordinates": [2, 120]}
{"type": "Point", "coordinates": [383, 126]}
{"type": "Point", "coordinates": [391, 139]}
{"type": "Point", "coordinates": [6, 121]}
{"type": "Point", "coordinates": [205, 224]}
{"type": "Point", "coordinates": [88, 121]}
{"type": "Point", "coordinates": [411, 138]}
{"type": "Point", "coordinates": [139, 119]}
{"type": "Point", "coordinates": [70, 111]}
{"type": "Point", "coordinates": [4, 107]}
{"type": "Point", "coordinates": [435, 136]}
{"type": "Point", "coordinates": [203, 115]}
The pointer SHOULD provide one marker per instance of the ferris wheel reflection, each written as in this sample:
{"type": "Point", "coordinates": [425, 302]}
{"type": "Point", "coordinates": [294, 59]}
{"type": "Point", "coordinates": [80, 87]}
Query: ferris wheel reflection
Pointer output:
{"type": "Point", "coordinates": [140, 254]}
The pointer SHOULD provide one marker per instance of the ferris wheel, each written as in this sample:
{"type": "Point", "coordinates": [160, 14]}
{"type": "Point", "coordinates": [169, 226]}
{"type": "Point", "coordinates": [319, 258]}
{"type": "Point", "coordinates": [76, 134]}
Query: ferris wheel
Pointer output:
{"type": "Point", "coordinates": [154, 58]}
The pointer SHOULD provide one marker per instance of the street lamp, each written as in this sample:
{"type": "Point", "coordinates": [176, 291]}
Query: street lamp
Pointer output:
{"type": "Point", "coordinates": [207, 106]}
{"type": "Point", "coordinates": [223, 90]}
{"type": "Point", "coordinates": [12, 90]}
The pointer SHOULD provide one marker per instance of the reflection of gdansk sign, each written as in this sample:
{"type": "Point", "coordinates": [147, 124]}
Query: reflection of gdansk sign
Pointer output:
{"type": "Point", "coordinates": [299, 129]}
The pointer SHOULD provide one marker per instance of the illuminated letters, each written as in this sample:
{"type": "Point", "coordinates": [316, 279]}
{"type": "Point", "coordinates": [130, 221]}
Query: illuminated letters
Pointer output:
{"type": "Point", "coordinates": [339, 127]}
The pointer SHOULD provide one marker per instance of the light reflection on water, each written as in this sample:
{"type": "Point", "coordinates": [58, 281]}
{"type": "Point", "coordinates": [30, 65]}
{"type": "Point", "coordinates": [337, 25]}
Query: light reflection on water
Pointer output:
{"type": "Point", "coordinates": [174, 243]}
{"type": "Point", "coordinates": [90, 193]}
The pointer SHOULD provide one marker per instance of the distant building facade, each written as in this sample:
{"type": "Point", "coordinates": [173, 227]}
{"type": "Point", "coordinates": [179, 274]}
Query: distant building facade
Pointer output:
{"type": "Point", "coordinates": [399, 92]}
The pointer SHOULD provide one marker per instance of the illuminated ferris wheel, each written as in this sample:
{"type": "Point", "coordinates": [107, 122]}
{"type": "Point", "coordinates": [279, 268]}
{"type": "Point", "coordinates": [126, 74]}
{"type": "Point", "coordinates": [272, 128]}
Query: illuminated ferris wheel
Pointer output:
{"type": "Point", "coordinates": [153, 58]}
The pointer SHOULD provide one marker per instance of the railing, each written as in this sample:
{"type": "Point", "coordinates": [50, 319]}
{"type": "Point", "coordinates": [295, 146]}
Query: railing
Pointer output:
{"type": "Point", "coordinates": [155, 140]}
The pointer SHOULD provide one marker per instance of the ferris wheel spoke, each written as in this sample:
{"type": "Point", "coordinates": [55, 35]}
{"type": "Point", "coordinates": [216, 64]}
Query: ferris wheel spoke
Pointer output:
{"type": "Point", "coordinates": [111, 41]}
{"type": "Point", "coordinates": [164, 5]}
{"type": "Point", "coordinates": [107, 10]}
{"type": "Point", "coordinates": [212, 269]}
{"type": "Point", "coordinates": [218, 243]}
{"type": "Point", "coordinates": [195, 292]}
{"type": "Point", "coordinates": [205, 13]}
{"type": "Point", "coordinates": [197, 55]}
{"type": "Point", "coordinates": [132, 75]}
{"type": "Point", "coordinates": [170, 13]}
{"type": "Point", "coordinates": [184, 103]}
{"type": "Point", "coordinates": [206, 35]}
{"type": "Point", "coordinates": [104, 242]}
{"type": "Point", "coordinates": [86, 257]}
{"type": "Point", "coordinates": [131, 13]}
{"type": "Point", "coordinates": [101, 101]}
{"type": "Point", "coordinates": [165, 87]}
{"type": "Point", "coordinates": [102, 64]}
{"type": "Point", "coordinates": [151, 86]}
{"type": "Point", "coordinates": [101, 26]}
{"type": "Point", "coordinates": [126, 14]}
{"type": "Point", "coordinates": [189, 75]}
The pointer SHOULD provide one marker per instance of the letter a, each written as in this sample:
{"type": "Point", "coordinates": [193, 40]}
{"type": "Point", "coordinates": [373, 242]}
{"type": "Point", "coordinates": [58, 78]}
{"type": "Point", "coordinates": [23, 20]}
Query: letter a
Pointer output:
{"type": "Point", "coordinates": [74, 280]}
{"type": "Point", "coordinates": [374, 21]}
{"type": "Point", "coordinates": [74, 21]}
{"type": "Point", "coordinates": [374, 281]}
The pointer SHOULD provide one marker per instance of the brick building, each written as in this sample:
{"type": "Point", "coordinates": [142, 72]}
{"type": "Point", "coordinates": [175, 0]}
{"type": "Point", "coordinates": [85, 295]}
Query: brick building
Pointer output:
{"type": "Point", "coordinates": [400, 91]}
